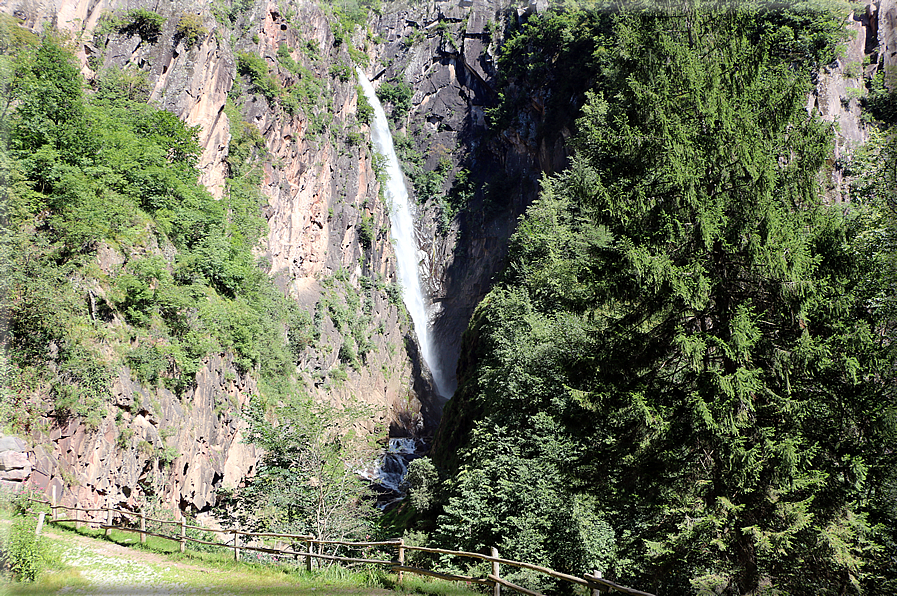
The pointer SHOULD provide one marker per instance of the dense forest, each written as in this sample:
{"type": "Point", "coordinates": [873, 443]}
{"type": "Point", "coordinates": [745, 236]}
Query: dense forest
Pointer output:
{"type": "Point", "coordinates": [683, 377]}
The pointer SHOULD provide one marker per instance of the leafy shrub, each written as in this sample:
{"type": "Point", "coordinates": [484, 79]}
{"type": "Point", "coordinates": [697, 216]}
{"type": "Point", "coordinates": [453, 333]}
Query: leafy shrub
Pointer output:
{"type": "Point", "coordinates": [286, 59]}
{"type": "Point", "coordinates": [341, 71]}
{"type": "Point", "coordinates": [354, 138]}
{"type": "Point", "coordinates": [394, 294]}
{"type": "Point", "coordinates": [423, 481]}
{"type": "Point", "coordinates": [398, 94]}
{"type": "Point", "coordinates": [23, 553]}
{"type": "Point", "coordinates": [256, 69]}
{"type": "Point", "coordinates": [228, 15]}
{"type": "Point", "coordinates": [190, 29]}
{"type": "Point", "coordinates": [167, 455]}
{"type": "Point", "coordinates": [366, 231]}
{"type": "Point", "coordinates": [145, 23]}
{"type": "Point", "coordinates": [365, 112]}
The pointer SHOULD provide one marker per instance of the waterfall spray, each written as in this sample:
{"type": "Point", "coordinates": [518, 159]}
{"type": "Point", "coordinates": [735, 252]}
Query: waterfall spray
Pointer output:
{"type": "Point", "coordinates": [406, 249]}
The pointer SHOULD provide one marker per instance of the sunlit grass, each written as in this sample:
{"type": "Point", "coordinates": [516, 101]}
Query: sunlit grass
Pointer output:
{"type": "Point", "coordinates": [215, 571]}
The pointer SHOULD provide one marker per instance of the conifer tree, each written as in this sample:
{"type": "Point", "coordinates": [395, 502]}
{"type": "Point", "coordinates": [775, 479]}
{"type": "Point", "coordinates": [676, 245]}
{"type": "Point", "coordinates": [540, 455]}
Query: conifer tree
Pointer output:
{"type": "Point", "coordinates": [686, 306]}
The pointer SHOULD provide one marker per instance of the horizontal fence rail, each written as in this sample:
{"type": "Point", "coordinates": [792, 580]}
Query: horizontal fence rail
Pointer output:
{"type": "Point", "coordinates": [594, 582]}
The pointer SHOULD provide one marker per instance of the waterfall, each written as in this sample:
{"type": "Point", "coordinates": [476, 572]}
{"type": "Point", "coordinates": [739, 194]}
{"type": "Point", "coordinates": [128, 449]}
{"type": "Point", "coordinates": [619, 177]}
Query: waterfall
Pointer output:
{"type": "Point", "coordinates": [407, 254]}
{"type": "Point", "coordinates": [388, 472]}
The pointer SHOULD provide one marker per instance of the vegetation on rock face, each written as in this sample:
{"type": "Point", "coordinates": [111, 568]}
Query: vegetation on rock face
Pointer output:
{"type": "Point", "coordinates": [397, 95]}
{"type": "Point", "coordinates": [145, 23]}
{"type": "Point", "coordinates": [190, 29]}
{"type": "Point", "coordinates": [112, 252]}
{"type": "Point", "coordinates": [684, 378]}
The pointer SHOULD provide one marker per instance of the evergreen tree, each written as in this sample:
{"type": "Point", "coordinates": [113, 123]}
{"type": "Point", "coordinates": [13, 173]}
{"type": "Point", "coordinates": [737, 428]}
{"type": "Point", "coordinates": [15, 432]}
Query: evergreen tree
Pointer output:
{"type": "Point", "coordinates": [691, 316]}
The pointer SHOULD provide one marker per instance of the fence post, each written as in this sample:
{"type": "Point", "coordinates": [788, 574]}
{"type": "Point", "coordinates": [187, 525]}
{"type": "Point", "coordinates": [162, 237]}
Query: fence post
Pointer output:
{"type": "Point", "coordinates": [236, 546]}
{"type": "Point", "coordinates": [401, 557]}
{"type": "Point", "coordinates": [53, 502]}
{"type": "Point", "coordinates": [77, 513]}
{"type": "Point", "coordinates": [40, 523]}
{"type": "Point", "coordinates": [108, 518]}
{"type": "Point", "coordinates": [143, 527]}
{"type": "Point", "coordinates": [496, 589]}
{"type": "Point", "coordinates": [597, 591]}
{"type": "Point", "coordinates": [183, 533]}
{"type": "Point", "coordinates": [308, 545]}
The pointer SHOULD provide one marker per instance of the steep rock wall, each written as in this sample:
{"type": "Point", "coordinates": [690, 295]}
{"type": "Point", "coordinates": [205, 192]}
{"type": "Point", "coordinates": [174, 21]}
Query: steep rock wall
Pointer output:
{"type": "Point", "coordinates": [838, 90]}
{"type": "Point", "coordinates": [321, 191]}
{"type": "Point", "coordinates": [445, 51]}
{"type": "Point", "coordinates": [151, 447]}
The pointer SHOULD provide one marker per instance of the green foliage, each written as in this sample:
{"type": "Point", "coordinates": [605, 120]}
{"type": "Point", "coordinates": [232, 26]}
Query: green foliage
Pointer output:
{"type": "Point", "coordinates": [117, 83]}
{"type": "Point", "coordinates": [256, 69]}
{"type": "Point", "coordinates": [21, 552]}
{"type": "Point", "coordinates": [306, 481]}
{"type": "Point", "coordinates": [881, 102]}
{"type": "Point", "coordinates": [341, 71]}
{"type": "Point", "coordinates": [428, 184]}
{"type": "Point", "coordinates": [190, 29]}
{"type": "Point", "coordinates": [364, 113]}
{"type": "Point", "coordinates": [145, 23]}
{"type": "Point", "coordinates": [518, 500]}
{"type": "Point", "coordinates": [140, 21]}
{"type": "Point", "coordinates": [108, 171]}
{"type": "Point", "coordinates": [682, 344]}
{"type": "Point", "coordinates": [366, 231]}
{"type": "Point", "coordinates": [286, 60]}
{"type": "Point", "coordinates": [422, 480]}
{"type": "Point", "coordinates": [50, 107]}
{"type": "Point", "coordinates": [398, 95]}
{"type": "Point", "coordinates": [167, 455]}
{"type": "Point", "coordinates": [228, 12]}
{"type": "Point", "coordinates": [354, 322]}
{"type": "Point", "coordinates": [806, 34]}
{"type": "Point", "coordinates": [13, 36]}
{"type": "Point", "coordinates": [559, 50]}
{"type": "Point", "coordinates": [82, 386]}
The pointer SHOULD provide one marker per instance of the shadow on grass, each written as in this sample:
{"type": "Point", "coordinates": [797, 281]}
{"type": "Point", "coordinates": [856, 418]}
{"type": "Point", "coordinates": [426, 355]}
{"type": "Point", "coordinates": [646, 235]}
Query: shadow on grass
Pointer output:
{"type": "Point", "coordinates": [25, 590]}
{"type": "Point", "coordinates": [250, 578]}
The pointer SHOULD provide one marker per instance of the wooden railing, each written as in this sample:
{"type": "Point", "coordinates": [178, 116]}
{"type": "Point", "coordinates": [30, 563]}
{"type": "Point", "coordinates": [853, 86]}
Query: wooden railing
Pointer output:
{"type": "Point", "coordinates": [594, 582]}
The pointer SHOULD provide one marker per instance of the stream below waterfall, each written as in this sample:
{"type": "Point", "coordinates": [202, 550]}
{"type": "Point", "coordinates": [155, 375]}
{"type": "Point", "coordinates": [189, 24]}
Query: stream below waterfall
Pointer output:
{"type": "Point", "coordinates": [388, 472]}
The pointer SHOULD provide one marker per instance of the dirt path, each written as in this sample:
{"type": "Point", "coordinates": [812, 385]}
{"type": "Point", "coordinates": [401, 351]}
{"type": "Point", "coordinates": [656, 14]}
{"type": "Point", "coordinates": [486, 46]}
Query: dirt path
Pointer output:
{"type": "Point", "coordinates": [109, 569]}
{"type": "Point", "coordinates": [100, 568]}
{"type": "Point", "coordinates": [112, 549]}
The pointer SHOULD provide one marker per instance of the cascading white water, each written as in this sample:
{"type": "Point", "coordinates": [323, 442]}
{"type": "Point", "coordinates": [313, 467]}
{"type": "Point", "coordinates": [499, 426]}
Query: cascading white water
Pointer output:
{"type": "Point", "coordinates": [400, 217]}
{"type": "Point", "coordinates": [388, 472]}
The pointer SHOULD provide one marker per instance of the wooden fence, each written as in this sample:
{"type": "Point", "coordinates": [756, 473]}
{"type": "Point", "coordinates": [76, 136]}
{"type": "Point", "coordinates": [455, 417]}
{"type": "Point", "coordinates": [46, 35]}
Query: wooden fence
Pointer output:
{"type": "Point", "coordinates": [593, 582]}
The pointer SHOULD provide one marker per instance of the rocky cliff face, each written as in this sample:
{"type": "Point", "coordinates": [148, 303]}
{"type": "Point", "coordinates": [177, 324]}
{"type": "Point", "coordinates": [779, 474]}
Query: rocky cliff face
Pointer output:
{"type": "Point", "coordinates": [328, 247]}
{"type": "Point", "coordinates": [841, 85]}
{"type": "Point", "coordinates": [151, 446]}
{"type": "Point", "coordinates": [328, 241]}
{"type": "Point", "coordinates": [445, 52]}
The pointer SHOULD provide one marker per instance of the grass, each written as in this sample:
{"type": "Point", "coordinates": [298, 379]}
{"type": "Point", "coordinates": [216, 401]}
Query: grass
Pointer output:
{"type": "Point", "coordinates": [71, 564]}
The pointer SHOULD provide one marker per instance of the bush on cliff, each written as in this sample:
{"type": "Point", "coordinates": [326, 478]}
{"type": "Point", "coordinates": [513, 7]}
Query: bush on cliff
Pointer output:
{"type": "Point", "coordinates": [97, 172]}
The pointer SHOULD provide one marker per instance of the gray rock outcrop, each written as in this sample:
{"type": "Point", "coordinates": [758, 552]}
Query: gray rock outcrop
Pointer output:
{"type": "Point", "coordinates": [15, 463]}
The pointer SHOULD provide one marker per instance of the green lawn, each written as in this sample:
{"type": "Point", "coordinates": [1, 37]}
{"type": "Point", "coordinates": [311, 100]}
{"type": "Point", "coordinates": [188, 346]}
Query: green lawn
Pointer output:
{"type": "Point", "coordinates": [83, 561]}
